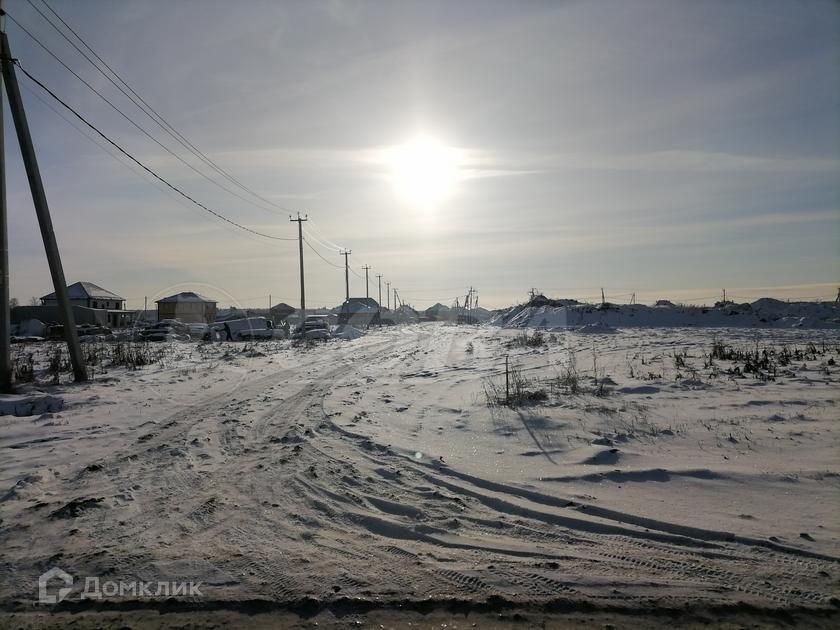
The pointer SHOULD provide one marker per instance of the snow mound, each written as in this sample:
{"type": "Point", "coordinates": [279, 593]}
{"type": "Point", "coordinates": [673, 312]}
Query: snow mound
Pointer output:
{"type": "Point", "coordinates": [29, 405]}
{"type": "Point", "coordinates": [763, 313]}
{"type": "Point", "coordinates": [30, 328]}
{"type": "Point", "coordinates": [346, 331]}
{"type": "Point", "coordinates": [598, 328]}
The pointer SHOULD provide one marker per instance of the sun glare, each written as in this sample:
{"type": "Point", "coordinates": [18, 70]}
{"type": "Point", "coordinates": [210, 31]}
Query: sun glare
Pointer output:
{"type": "Point", "coordinates": [423, 171]}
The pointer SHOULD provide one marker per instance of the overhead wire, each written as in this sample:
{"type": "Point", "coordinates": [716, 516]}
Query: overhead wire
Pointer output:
{"type": "Point", "coordinates": [137, 172]}
{"type": "Point", "coordinates": [314, 228]}
{"type": "Point", "coordinates": [143, 105]}
{"type": "Point", "coordinates": [321, 257]}
{"type": "Point", "coordinates": [141, 164]}
{"type": "Point", "coordinates": [318, 241]}
{"type": "Point", "coordinates": [149, 111]}
{"type": "Point", "coordinates": [126, 116]}
{"type": "Point", "coordinates": [114, 156]}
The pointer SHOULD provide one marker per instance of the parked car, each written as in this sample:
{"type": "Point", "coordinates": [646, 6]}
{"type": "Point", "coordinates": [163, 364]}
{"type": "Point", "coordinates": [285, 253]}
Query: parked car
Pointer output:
{"type": "Point", "coordinates": [166, 330]}
{"type": "Point", "coordinates": [199, 331]}
{"type": "Point", "coordinates": [314, 327]}
{"type": "Point", "coordinates": [249, 328]}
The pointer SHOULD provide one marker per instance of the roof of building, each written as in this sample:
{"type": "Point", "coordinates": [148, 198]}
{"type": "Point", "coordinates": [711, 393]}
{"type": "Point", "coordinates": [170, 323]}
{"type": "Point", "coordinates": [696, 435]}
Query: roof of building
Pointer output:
{"type": "Point", "coordinates": [185, 296]}
{"type": "Point", "coordinates": [282, 309]}
{"type": "Point", "coordinates": [84, 291]}
{"type": "Point", "coordinates": [355, 305]}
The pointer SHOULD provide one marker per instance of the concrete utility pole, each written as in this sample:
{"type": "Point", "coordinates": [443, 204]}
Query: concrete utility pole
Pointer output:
{"type": "Point", "coordinates": [379, 304]}
{"type": "Point", "coordinates": [367, 286]}
{"type": "Point", "coordinates": [300, 221]}
{"type": "Point", "coordinates": [42, 210]}
{"type": "Point", "coordinates": [388, 294]}
{"type": "Point", "coordinates": [346, 253]}
{"type": "Point", "coordinates": [5, 315]}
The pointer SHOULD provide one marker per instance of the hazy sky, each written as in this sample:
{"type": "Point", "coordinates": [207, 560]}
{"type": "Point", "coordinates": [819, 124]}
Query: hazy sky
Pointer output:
{"type": "Point", "coordinates": [660, 147]}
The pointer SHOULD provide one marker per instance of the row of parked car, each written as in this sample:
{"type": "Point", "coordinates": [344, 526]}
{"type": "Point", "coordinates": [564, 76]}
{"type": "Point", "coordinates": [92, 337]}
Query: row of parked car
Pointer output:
{"type": "Point", "coordinates": [246, 329]}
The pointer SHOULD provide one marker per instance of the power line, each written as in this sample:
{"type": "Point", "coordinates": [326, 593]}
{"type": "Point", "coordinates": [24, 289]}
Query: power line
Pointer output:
{"type": "Point", "coordinates": [149, 111]}
{"type": "Point", "coordinates": [321, 257]}
{"type": "Point", "coordinates": [327, 242]}
{"type": "Point", "coordinates": [139, 163]}
{"type": "Point", "coordinates": [317, 240]}
{"type": "Point", "coordinates": [128, 118]}
{"type": "Point", "coordinates": [113, 155]}
{"type": "Point", "coordinates": [145, 107]}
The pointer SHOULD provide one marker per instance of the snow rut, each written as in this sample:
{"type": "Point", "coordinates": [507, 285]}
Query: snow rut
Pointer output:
{"type": "Point", "coordinates": [284, 503]}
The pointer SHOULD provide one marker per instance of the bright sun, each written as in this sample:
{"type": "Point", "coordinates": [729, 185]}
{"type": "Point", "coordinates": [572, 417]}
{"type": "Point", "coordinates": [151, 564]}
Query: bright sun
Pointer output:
{"type": "Point", "coordinates": [423, 171]}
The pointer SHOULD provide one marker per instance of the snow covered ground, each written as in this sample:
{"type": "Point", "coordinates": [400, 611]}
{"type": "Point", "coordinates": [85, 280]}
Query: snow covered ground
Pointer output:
{"type": "Point", "coordinates": [640, 473]}
{"type": "Point", "coordinates": [763, 313]}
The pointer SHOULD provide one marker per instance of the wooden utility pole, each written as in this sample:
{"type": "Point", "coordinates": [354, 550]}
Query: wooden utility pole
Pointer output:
{"type": "Point", "coordinates": [367, 286]}
{"type": "Point", "coordinates": [346, 253]}
{"type": "Point", "coordinates": [379, 304]}
{"type": "Point", "coordinates": [5, 315]}
{"type": "Point", "coordinates": [300, 221]}
{"type": "Point", "coordinates": [42, 210]}
{"type": "Point", "coordinates": [388, 294]}
{"type": "Point", "coordinates": [724, 297]}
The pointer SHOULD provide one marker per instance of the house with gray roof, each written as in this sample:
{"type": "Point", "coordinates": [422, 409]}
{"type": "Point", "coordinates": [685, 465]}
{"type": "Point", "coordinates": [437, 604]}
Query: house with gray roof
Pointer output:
{"type": "Point", "coordinates": [188, 307]}
{"type": "Point", "coordinates": [91, 305]}
{"type": "Point", "coordinates": [89, 295]}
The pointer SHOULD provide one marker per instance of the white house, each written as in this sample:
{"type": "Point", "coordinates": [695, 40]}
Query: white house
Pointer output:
{"type": "Point", "coordinates": [89, 295]}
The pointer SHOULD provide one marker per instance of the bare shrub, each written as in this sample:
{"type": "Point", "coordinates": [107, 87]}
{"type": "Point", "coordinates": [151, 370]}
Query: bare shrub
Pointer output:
{"type": "Point", "coordinates": [23, 367]}
{"type": "Point", "coordinates": [519, 391]}
{"type": "Point", "coordinates": [524, 340]}
{"type": "Point", "coordinates": [135, 355]}
{"type": "Point", "coordinates": [569, 379]}
{"type": "Point", "coordinates": [58, 362]}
